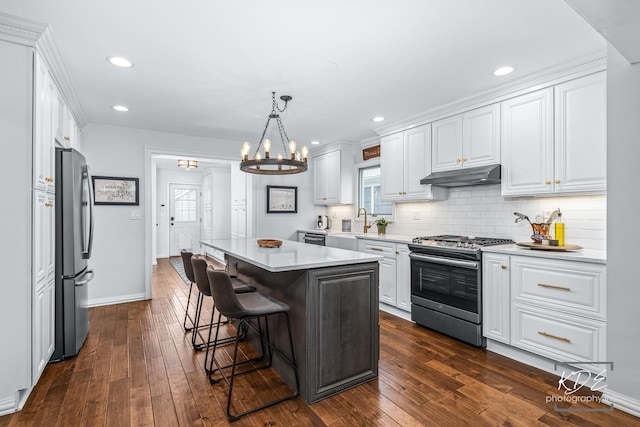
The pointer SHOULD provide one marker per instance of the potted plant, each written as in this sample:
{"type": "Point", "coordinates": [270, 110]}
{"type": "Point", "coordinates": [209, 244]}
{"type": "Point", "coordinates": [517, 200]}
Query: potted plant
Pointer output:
{"type": "Point", "coordinates": [382, 225]}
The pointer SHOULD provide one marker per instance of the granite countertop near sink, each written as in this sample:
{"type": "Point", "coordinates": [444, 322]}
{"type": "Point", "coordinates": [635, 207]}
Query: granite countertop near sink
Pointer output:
{"type": "Point", "coordinates": [583, 255]}
{"type": "Point", "coordinates": [395, 238]}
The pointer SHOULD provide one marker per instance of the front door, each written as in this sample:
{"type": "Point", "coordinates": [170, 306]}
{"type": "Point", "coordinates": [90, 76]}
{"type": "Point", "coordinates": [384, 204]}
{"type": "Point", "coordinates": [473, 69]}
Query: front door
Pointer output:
{"type": "Point", "coordinates": [184, 218]}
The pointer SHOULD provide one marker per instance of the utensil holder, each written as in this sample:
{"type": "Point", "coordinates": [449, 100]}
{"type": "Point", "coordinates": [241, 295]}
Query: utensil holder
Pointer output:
{"type": "Point", "coordinates": [540, 231]}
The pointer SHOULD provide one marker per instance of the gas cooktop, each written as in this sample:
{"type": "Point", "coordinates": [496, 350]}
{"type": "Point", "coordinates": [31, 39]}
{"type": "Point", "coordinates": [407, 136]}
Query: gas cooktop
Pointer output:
{"type": "Point", "coordinates": [451, 243]}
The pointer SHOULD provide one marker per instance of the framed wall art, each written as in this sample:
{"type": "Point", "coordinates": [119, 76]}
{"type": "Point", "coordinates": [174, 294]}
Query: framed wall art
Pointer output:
{"type": "Point", "coordinates": [282, 199]}
{"type": "Point", "coordinates": [111, 190]}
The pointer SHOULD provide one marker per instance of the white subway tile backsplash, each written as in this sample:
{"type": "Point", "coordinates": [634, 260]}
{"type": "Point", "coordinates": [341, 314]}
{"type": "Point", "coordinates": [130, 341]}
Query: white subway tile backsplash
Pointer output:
{"type": "Point", "coordinates": [482, 211]}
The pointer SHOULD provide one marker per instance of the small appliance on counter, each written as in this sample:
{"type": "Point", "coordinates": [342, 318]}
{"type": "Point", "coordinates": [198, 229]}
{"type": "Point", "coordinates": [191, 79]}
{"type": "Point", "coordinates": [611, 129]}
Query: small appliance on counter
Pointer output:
{"type": "Point", "coordinates": [322, 223]}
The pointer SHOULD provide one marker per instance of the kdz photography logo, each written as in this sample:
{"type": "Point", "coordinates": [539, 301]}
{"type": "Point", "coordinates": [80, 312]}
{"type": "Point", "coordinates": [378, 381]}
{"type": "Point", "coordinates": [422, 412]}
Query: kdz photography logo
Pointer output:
{"type": "Point", "coordinates": [575, 384]}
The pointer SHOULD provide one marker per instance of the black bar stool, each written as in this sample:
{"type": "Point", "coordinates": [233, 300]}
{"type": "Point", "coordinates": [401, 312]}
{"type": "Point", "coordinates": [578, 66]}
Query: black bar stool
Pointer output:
{"type": "Point", "coordinates": [200, 264]}
{"type": "Point", "coordinates": [243, 308]}
{"type": "Point", "coordinates": [188, 271]}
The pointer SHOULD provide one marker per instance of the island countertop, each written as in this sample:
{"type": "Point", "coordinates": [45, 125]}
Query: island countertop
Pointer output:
{"type": "Point", "coordinates": [290, 256]}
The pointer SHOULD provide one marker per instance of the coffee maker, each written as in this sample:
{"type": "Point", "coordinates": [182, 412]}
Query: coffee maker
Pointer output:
{"type": "Point", "coordinates": [322, 223]}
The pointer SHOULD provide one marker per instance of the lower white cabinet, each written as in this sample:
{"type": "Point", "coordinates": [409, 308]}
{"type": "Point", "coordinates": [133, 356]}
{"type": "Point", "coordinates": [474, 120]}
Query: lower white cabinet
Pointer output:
{"type": "Point", "coordinates": [239, 222]}
{"type": "Point", "coordinates": [496, 301]}
{"type": "Point", "coordinates": [43, 326]}
{"type": "Point", "coordinates": [550, 307]}
{"type": "Point", "coordinates": [395, 270]}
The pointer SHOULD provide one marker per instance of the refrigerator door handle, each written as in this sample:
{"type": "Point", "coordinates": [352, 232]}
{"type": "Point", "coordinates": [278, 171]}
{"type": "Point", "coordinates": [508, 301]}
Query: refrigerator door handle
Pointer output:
{"type": "Point", "coordinates": [86, 254]}
{"type": "Point", "coordinates": [86, 280]}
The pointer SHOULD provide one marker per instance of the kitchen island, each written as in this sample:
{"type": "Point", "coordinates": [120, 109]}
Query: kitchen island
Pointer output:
{"type": "Point", "coordinates": [333, 298]}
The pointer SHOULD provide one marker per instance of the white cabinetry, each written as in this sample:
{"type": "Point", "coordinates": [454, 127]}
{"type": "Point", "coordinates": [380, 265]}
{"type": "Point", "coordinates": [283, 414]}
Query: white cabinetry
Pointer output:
{"type": "Point", "coordinates": [556, 308]}
{"type": "Point", "coordinates": [496, 295]}
{"type": "Point", "coordinates": [216, 211]}
{"type": "Point", "coordinates": [536, 163]}
{"type": "Point", "coordinates": [43, 141]}
{"type": "Point", "coordinates": [395, 287]}
{"type": "Point", "coordinates": [467, 140]}
{"type": "Point", "coordinates": [403, 277]}
{"type": "Point", "coordinates": [333, 176]}
{"type": "Point", "coordinates": [241, 196]}
{"type": "Point", "coordinates": [405, 158]}
{"type": "Point", "coordinates": [580, 135]}
{"type": "Point", "coordinates": [43, 249]}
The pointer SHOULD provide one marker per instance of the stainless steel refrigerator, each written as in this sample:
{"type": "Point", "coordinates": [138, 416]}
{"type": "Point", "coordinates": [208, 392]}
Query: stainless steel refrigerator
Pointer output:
{"type": "Point", "coordinates": [74, 241]}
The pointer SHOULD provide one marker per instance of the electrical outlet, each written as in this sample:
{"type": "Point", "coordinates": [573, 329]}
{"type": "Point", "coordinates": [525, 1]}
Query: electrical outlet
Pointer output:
{"type": "Point", "coordinates": [135, 214]}
{"type": "Point", "coordinates": [416, 217]}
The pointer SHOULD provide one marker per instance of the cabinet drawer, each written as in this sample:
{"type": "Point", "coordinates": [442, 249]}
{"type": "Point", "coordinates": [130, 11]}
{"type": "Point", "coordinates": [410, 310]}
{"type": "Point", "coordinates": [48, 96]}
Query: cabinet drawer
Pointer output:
{"type": "Point", "coordinates": [385, 249]}
{"type": "Point", "coordinates": [573, 287]}
{"type": "Point", "coordinates": [558, 336]}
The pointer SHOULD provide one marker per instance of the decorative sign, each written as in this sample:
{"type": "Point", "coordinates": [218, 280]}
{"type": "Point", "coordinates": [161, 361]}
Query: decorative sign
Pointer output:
{"type": "Point", "coordinates": [371, 152]}
{"type": "Point", "coordinates": [109, 190]}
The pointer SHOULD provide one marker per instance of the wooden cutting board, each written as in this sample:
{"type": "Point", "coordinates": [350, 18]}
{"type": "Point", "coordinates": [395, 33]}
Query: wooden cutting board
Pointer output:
{"type": "Point", "coordinates": [566, 248]}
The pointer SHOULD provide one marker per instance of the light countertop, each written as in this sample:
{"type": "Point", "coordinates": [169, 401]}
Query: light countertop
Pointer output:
{"type": "Point", "coordinates": [583, 255]}
{"type": "Point", "coordinates": [290, 256]}
{"type": "Point", "coordinates": [372, 235]}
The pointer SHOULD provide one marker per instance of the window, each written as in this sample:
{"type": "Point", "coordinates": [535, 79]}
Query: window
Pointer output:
{"type": "Point", "coordinates": [369, 192]}
{"type": "Point", "coordinates": [185, 202]}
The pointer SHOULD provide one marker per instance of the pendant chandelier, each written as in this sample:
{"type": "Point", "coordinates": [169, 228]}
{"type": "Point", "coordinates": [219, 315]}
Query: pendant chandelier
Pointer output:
{"type": "Point", "coordinates": [288, 162]}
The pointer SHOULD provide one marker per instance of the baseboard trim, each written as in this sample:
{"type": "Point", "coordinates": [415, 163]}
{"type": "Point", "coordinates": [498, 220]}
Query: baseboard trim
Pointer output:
{"type": "Point", "coordinates": [116, 300]}
{"type": "Point", "coordinates": [395, 311]}
{"type": "Point", "coordinates": [623, 402]}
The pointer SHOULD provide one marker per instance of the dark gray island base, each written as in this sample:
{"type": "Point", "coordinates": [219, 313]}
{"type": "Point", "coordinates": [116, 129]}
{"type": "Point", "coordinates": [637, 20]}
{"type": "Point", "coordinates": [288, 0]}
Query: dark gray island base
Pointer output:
{"type": "Point", "coordinates": [334, 320]}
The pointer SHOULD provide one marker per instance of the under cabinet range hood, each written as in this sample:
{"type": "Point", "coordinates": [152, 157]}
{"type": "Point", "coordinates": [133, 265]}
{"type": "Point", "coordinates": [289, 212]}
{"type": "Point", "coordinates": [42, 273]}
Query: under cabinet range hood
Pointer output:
{"type": "Point", "coordinates": [460, 177]}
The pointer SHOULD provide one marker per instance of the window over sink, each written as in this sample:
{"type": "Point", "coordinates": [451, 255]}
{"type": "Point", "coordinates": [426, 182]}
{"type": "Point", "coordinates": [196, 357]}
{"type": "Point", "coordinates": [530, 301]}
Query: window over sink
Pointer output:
{"type": "Point", "coordinates": [369, 193]}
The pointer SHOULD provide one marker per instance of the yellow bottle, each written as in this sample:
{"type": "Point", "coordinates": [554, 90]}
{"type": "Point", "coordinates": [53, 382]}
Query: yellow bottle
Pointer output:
{"type": "Point", "coordinates": [559, 235]}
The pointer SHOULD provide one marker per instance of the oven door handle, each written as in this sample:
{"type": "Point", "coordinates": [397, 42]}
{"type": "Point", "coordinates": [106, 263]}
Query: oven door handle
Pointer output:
{"type": "Point", "coordinates": [445, 261]}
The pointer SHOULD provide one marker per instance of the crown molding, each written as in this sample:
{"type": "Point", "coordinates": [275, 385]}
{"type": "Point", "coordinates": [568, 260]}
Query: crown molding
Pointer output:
{"type": "Point", "coordinates": [39, 36]}
{"type": "Point", "coordinates": [545, 78]}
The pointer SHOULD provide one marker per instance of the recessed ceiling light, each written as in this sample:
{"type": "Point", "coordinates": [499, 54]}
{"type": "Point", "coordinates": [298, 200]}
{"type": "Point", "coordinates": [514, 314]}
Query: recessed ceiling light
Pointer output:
{"type": "Point", "coordinates": [315, 142]}
{"type": "Point", "coordinates": [503, 71]}
{"type": "Point", "coordinates": [377, 119]}
{"type": "Point", "coordinates": [119, 61]}
{"type": "Point", "coordinates": [120, 108]}
{"type": "Point", "coordinates": [329, 66]}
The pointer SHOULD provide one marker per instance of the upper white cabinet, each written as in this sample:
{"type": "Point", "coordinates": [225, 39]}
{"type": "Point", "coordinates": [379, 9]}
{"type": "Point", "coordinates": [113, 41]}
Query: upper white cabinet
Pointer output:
{"type": "Point", "coordinates": [333, 177]}
{"type": "Point", "coordinates": [44, 144]}
{"type": "Point", "coordinates": [467, 140]}
{"type": "Point", "coordinates": [527, 143]}
{"type": "Point", "coordinates": [67, 133]}
{"type": "Point", "coordinates": [543, 156]}
{"type": "Point", "coordinates": [580, 135]}
{"type": "Point", "coordinates": [405, 158]}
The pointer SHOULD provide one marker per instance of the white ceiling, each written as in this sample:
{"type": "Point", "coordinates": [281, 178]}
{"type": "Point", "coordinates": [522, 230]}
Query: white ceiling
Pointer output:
{"type": "Point", "coordinates": [207, 68]}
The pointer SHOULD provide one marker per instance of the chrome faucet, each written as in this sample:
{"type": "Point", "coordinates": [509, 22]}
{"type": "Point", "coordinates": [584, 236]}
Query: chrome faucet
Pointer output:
{"type": "Point", "coordinates": [366, 227]}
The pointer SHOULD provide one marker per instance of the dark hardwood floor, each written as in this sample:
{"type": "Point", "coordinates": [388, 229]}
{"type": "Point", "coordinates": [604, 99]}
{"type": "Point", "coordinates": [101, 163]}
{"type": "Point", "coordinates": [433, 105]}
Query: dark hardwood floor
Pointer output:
{"type": "Point", "coordinates": [138, 368]}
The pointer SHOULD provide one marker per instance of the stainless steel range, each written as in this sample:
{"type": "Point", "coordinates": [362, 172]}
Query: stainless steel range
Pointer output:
{"type": "Point", "coordinates": [446, 284]}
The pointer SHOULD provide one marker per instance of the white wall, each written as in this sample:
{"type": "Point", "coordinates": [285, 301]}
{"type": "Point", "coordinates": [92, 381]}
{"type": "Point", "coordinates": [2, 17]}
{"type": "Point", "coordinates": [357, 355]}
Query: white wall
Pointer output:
{"type": "Point", "coordinates": [164, 178]}
{"type": "Point", "coordinates": [119, 245]}
{"type": "Point", "coordinates": [285, 225]}
{"type": "Point", "coordinates": [623, 248]}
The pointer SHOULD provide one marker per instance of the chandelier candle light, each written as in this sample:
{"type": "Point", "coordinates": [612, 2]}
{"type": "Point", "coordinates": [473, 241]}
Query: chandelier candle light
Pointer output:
{"type": "Point", "coordinates": [285, 163]}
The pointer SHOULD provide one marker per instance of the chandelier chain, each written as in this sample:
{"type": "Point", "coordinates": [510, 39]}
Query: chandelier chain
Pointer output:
{"type": "Point", "coordinates": [283, 133]}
